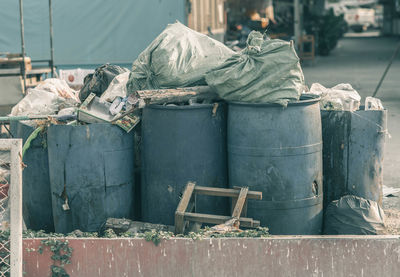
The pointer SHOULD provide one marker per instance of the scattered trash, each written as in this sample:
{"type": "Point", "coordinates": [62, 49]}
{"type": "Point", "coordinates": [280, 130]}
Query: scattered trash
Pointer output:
{"type": "Point", "coordinates": [94, 111]}
{"type": "Point", "coordinates": [47, 98]}
{"type": "Point", "coordinates": [389, 191]}
{"type": "Point", "coordinates": [178, 57]}
{"type": "Point", "coordinates": [372, 103]}
{"type": "Point", "coordinates": [353, 215]}
{"type": "Point", "coordinates": [123, 225]}
{"type": "Point", "coordinates": [117, 88]}
{"type": "Point", "coordinates": [231, 225]}
{"type": "Point", "coordinates": [341, 97]}
{"type": "Point", "coordinates": [267, 71]}
{"type": "Point", "coordinates": [99, 81]}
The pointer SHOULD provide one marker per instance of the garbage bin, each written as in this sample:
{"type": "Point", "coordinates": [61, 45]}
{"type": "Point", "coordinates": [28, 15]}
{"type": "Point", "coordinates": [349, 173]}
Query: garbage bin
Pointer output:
{"type": "Point", "coordinates": [91, 175]}
{"type": "Point", "coordinates": [36, 196]}
{"type": "Point", "coordinates": [278, 151]}
{"type": "Point", "coordinates": [353, 145]}
{"type": "Point", "coordinates": [182, 144]}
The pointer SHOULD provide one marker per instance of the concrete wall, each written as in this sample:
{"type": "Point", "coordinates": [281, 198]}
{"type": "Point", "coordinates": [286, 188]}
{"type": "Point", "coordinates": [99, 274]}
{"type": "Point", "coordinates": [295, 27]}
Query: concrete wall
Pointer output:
{"type": "Point", "coordinates": [276, 256]}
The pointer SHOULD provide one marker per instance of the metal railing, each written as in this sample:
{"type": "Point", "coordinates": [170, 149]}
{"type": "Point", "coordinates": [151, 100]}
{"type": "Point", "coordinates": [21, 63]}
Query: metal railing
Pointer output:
{"type": "Point", "coordinates": [11, 207]}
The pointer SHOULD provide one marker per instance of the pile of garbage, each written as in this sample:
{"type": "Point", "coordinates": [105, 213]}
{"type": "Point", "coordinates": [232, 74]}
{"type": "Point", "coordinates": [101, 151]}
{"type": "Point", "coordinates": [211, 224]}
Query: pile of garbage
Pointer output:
{"type": "Point", "coordinates": [343, 97]}
{"type": "Point", "coordinates": [184, 67]}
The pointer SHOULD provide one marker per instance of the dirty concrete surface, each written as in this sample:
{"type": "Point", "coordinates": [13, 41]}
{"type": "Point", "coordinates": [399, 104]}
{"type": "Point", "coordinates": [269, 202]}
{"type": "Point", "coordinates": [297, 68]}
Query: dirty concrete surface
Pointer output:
{"type": "Point", "coordinates": [361, 62]}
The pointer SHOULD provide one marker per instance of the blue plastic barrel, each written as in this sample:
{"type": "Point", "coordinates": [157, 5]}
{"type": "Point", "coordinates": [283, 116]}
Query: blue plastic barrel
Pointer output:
{"type": "Point", "coordinates": [353, 153]}
{"type": "Point", "coordinates": [36, 196]}
{"type": "Point", "coordinates": [91, 175]}
{"type": "Point", "coordinates": [182, 144]}
{"type": "Point", "coordinates": [278, 151]}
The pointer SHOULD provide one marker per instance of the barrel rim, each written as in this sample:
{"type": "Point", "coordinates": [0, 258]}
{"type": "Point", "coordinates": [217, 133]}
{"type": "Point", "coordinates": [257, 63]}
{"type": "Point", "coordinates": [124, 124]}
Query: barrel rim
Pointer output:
{"type": "Point", "coordinates": [305, 99]}
{"type": "Point", "coordinates": [184, 107]}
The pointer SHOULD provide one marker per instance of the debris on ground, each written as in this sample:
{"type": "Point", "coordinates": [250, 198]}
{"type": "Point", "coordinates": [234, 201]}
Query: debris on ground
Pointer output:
{"type": "Point", "coordinates": [178, 57]}
{"type": "Point", "coordinates": [123, 225]}
{"type": "Point", "coordinates": [389, 191]}
{"type": "Point", "coordinates": [99, 81]}
{"type": "Point", "coordinates": [267, 71]}
{"type": "Point", "coordinates": [341, 97]}
{"type": "Point", "coordinates": [353, 215]}
{"type": "Point", "coordinates": [392, 221]}
{"type": "Point", "coordinates": [231, 225]}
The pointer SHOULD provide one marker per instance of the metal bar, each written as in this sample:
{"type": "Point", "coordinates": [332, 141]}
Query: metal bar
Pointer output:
{"type": "Point", "coordinates": [387, 69]}
{"type": "Point", "coordinates": [21, 18]}
{"type": "Point", "coordinates": [51, 39]}
{"type": "Point", "coordinates": [296, 26]}
{"type": "Point", "coordinates": [15, 200]}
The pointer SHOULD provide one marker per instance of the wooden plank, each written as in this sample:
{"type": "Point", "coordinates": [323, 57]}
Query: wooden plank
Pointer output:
{"type": "Point", "coordinates": [180, 211]}
{"type": "Point", "coordinates": [178, 95]}
{"type": "Point", "coordinates": [240, 202]}
{"type": "Point", "coordinates": [219, 219]}
{"type": "Point", "coordinates": [226, 192]}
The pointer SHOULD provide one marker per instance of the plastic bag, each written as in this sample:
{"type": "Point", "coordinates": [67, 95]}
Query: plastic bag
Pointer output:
{"type": "Point", "coordinates": [353, 215]}
{"type": "Point", "coordinates": [342, 97]}
{"type": "Point", "coordinates": [99, 81]}
{"type": "Point", "coordinates": [372, 103]}
{"type": "Point", "coordinates": [47, 98]}
{"type": "Point", "coordinates": [178, 57]}
{"type": "Point", "coordinates": [41, 102]}
{"type": "Point", "coordinates": [266, 71]}
{"type": "Point", "coordinates": [117, 88]}
{"type": "Point", "coordinates": [59, 87]}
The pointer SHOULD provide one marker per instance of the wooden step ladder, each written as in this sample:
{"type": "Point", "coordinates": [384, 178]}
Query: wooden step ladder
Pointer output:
{"type": "Point", "coordinates": [185, 211]}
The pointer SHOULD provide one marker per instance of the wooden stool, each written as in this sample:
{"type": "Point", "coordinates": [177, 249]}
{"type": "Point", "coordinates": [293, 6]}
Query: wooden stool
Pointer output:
{"type": "Point", "coordinates": [185, 211]}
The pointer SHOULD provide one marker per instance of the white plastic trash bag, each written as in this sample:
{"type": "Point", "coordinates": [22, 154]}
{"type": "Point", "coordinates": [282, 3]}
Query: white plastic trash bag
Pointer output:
{"type": "Point", "coordinates": [46, 99]}
{"type": "Point", "coordinates": [178, 57]}
{"type": "Point", "coordinates": [342, 97]}
{"type": "Point", "coordinates": [372, 103]}
{"type": "Point", "coordinates": [117, 88]}
{"type": "Point", "coordinates": [59, 87]}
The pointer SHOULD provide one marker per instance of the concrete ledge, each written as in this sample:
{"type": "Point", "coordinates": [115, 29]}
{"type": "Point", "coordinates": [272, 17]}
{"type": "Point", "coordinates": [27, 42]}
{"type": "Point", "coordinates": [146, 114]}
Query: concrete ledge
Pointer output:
{"type": "Point", "coordinates": [275, 256]}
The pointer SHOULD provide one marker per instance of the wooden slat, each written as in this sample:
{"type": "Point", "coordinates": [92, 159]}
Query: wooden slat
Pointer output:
{"type": "Point", "coordinates": [226, 192]}
{"type": "Point", "coordinates": [180, 211]}
{"type": "Point", "coordinates": [240, 202]}
{"type": "Point", "coordinates": [219, 219]}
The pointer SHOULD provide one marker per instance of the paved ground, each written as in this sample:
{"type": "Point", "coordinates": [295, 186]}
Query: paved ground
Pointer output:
{"type": "Point", "coordinates": [361, 62]}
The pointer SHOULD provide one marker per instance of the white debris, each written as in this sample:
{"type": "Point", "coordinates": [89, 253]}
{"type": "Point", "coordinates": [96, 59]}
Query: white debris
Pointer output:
{"type": "Point", "coordinates": [342, 97]}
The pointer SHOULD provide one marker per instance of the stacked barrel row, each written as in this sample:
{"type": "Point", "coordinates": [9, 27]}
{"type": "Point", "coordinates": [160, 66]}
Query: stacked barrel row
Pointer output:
{"type": "Point", "coordinates": [86, 173]}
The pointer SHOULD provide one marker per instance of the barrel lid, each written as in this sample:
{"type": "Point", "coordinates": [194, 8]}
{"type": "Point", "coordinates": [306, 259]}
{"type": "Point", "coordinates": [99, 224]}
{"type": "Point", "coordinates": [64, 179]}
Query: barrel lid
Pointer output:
{"type": "Point", "coordinates": [183, 107]}
{"type": "Point", "coordinates": [305, 99]}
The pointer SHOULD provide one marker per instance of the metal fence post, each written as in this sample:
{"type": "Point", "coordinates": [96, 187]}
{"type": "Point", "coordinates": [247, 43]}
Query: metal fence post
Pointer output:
{"type": "Point", "coordinates": [15, 203]}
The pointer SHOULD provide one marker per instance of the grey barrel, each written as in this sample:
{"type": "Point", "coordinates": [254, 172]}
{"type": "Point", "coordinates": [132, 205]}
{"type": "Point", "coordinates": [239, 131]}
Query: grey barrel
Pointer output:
{"type": "Point", "coordinates": [278, 151]}
{"type": "Point", "coordinates": [91, 175]}
{"type": "Point", "coordinates": [353, 153]}
{"type": "Point", "coordinates": [36, 196]}
{"type": "Point", "coordinates": [182, 144]}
